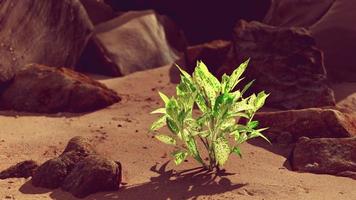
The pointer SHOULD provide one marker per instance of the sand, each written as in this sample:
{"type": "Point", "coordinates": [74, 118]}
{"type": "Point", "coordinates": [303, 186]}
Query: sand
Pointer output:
{"type": "Point", "coordinates": [120, 133]}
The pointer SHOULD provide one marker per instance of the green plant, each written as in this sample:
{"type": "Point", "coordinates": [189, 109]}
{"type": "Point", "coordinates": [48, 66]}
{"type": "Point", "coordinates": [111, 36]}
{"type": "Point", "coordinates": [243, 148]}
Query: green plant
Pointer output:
{"type": "Point", "coordinates": [219, 106]}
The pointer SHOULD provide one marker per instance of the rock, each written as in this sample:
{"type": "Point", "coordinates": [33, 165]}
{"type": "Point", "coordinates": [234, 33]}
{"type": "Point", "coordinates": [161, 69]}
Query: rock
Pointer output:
{"type": "Point", "coordinates": [333, 33]}
{"type": "Point", "coordinates": [216, 54]}
{"type": "Point", "coordinates": [298, 13]}
{"type": "Point", "coordinates": [134, 41]}
{"type": "Point", "coordinates": [80, 145]}
{"type": "Point", "coordinates": [331, 24]}
{"type": "Point", "coordinates": [52, 173]}
{"type": "Point", "coordinates": [285, 63]}
{"type": "Point", "coordinates": [202, 21]}
{"type": "Point", "coordinates": [42, 89]}
{"type": "Point", "coordinates": [23, 169]}
{"type": "Point", "coordinates": [98, 11]}
{"type": "Point", "coordinates": [91, 175]}
{"type": "Point", "coordinates": [289, 126]}
{"type": "Point", "coordinates": [325, 155]}
{"type": "Point", "coordinates": [53, 33]}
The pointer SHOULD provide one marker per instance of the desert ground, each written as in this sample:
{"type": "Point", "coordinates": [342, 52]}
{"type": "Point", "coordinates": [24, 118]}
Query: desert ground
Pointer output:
{"type": "Point", "coordinates": [120, 132]}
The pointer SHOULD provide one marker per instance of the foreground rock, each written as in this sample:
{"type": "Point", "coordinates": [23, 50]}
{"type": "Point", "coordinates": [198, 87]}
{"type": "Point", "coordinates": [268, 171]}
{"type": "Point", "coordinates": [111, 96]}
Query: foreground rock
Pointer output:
{"type": "Point", "coordinates": [335, 156]}
{"type": "Point", "coordinates": [79, 170]}
{"type": "Point", "coordinates": [42, 89]}
{"type": "Point", "coordinates": [23, 169]}
{"type": "Point", "coordinates": [134, 41]}
{"type": "Point", "coordinates": [288, 126]}
{"type": "Point", "coordinates": [93, 174]}
{"type": "Point", "coordinates": [285, 62]}
{"type": "Point", "coordinates": [52, 173]}
{"type": "Point", "coordinates": [53, 33]}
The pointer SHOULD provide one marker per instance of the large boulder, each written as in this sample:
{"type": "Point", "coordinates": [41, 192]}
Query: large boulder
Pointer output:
{"type": "Point", "coordinates": [201, 20]}
{"type": "Point", "coordinates": [285, 62]}
{"type": "Point", "coordinates": [302, 13]}
{"type": "Point", "coordinates": [288, 126]}
{"type": "Point", "coordinates": [330, 22]}
{"type": "Point", "coordinates": [335, 156]}
{"type": "Point", "coordinates": [42, 89]}
{"type": "Point", "coordinates": [53, 33]}
{"type": "Point", "coordinates": [93, 174]}
{"type": "Point", "coordinates": [134, 41]}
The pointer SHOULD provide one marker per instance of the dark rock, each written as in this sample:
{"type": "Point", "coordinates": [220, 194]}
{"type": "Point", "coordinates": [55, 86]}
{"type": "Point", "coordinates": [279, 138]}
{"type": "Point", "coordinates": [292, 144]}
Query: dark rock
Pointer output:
{"type": "Point", "coordinates": [330, 23]}
{"type": "Point", "coordinates": [80, 145]}
{"type": "Point", "coordinates": [349, 174]}
{"type": "Point", "coordinates": [43, 89]}
{"type": "Point", "coordinates": [325, 155]}
{"type": "Point", "coordinates": [53, 33]}
{"type": "Point", "coordinates": [285, 63]}
{"type": "Point", "coordinates": [98, 11]}
{"type": "Point", "coordinates": [289, 126]}
{"type": "Point", "coordinates": [133, 42]}
{"type": "Point", "coordinates": [216, 55]}
{"type": "Point", "coordinates": [23, 169]}
{"type": "Point", "coordinates": [202, 21]}
{"type": "Point", "coordinates": [52, 173]}
{"type": "Point", "coordinates": [93, 174]}
{"type": "Point", "coordinates": [333, 33]}
{"type": "Point", "coordinates": [302, 13]}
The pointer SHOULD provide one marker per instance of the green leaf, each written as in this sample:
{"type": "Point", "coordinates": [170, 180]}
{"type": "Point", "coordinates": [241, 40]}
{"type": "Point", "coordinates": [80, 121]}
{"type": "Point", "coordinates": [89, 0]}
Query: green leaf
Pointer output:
{"type": "Point", "coordinates": [192, 147]}
{"type": "Point", "coordinates": [163, 97]}
{"type": "Point", "coordinates": [257, 133]}
{"type": "Point", "coordinates": [201, 103]}
{"type": "Point", "coordinates": [179, 156]}
{"type": "Point", "coordinates": [159, 123]}
{"type": "Point", "coordinates": [235, 76]}
{"type": "Point", "coordinates": [221, 150]}
{"type": "Point", "coordinates": [260, 99]}
{"type": "Point", "coordinates": [185, 74]}
{"type": "Point", "coordinates": [172, 108]}
{"type": "Point", "coordinates": [252, 124]}
{"type": "Point", "coordinates": [166, 139]}
{"type": "Point", "coordinates": [207, 83]}
{"type": "Point", "coordinates": [222, 104]}
{"type": "Point", "coordinates": [237, 151]}
{"type": "Point", "coordinates": [224, 81]}
{"type": "Point", "coordinates": [159, 111]}
{"type": "Point", "coordinates": [173, 127]}
{"type": "Point", "coordinates": [247, 87]}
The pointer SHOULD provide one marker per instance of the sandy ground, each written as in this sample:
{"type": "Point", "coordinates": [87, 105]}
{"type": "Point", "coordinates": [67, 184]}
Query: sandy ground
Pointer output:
{"type": "Point", "coordinates": [120, 132]}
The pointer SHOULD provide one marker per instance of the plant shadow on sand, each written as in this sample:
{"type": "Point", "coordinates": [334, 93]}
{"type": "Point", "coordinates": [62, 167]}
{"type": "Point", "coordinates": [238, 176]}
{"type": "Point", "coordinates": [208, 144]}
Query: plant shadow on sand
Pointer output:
{"type": "Point", "coordinates": [187, 184]}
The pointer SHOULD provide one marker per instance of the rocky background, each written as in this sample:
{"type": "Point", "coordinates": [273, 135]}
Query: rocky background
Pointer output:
{"type": "Point", "coordinates": [299, 50]}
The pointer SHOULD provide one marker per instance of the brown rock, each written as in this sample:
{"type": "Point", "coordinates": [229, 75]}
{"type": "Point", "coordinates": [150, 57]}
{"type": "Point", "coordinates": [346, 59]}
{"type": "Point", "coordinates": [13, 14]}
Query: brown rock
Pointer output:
{"type": "Point", "coordinates": [133, 42]}
{"type": "Point", "coordinates": [47, 32]}
{"type": "Point", "coordinates": [52, 173]}
{"type": "Point", "coordinates": [285, 63]}
{"type": "Point", "coordinates": [302, 13]}
{"type": "Point", "coordinates": [333, 34]}
{"type": "Point", "coordinates": [91, 175]}
{"type": "Point", "coordinates": [98, 11]}
{"type": "Point", "coordinates": [216, 54]}
{"type": "Point", "coordinates": [325, 155]}
{"type": "Point", "coordinates": [23, 169]}
{"type": "Point", "coordinates": [38, 88]}
{"type": "Point", "coordinates": [289, 126]}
